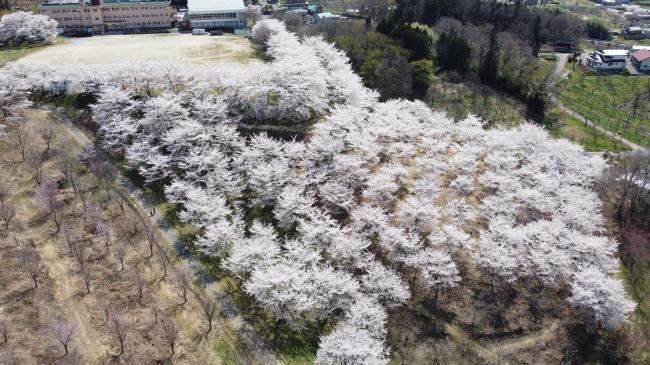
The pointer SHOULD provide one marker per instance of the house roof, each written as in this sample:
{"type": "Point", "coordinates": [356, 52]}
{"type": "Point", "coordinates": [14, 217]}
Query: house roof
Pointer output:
{"type": "Point", "coordinates": [215, 5]}
{"type": "Point", "coordinates": [641, 55]}
{"type": "Point", "coordinates": [614, 52]}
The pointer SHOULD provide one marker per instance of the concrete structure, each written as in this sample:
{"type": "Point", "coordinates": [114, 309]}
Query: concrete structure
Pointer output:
{"type": "Point", "coordinates": [95, 16]}
{"type": "Point", "coordinates": [217, 14]}
{"type": "Point", "coordinates": [641, 60]}
{"type": "Point", "coordinates": [608, 60]}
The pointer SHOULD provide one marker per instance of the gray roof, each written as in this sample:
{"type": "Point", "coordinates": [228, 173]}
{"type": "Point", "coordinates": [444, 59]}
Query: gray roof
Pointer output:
{"type": "Point", "coordinates": [215, 5]}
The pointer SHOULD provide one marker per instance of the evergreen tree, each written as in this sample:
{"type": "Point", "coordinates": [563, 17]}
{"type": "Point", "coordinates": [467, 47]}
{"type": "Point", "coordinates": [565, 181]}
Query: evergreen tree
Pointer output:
{"type": "Point", "coordinates": [489, 66]}
{"type": "Point", "coordinates": [453, 53]}
{"type": "Point", "coordinates": [537, 35]}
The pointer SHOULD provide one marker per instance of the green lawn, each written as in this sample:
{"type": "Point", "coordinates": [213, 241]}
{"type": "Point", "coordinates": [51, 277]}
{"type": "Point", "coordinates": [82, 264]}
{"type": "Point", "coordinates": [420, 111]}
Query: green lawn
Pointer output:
{"type": "Point", "coordinates": [15, 52]}
{"type": "Point", "coordinates": [12, 54]}
{"type": "Point", "coordinates": [591, 139]}
{"type": "Point", "coordinates": [617, 102]}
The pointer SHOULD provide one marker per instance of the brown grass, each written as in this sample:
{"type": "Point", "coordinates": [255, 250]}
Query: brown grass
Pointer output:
{"type": "Point", "coordinates": [61, 293]}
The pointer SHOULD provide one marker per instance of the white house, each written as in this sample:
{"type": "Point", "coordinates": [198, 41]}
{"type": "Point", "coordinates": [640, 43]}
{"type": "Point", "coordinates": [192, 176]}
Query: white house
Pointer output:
{"type": "Point", "coordinates": [608, 60]}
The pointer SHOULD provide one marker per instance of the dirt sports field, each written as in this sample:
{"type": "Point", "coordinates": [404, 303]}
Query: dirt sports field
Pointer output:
{"type": "Point", "coordinates": [147, 47]}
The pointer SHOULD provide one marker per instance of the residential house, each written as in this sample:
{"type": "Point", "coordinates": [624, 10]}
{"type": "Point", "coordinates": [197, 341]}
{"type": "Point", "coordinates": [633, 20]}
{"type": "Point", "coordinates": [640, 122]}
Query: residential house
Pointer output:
{"type": "Point", "coordinates": [608, 60]}
{"type": "Point", "coordinates": [633, 33]}
{"type": "Point", "coordinates": [641, 60]}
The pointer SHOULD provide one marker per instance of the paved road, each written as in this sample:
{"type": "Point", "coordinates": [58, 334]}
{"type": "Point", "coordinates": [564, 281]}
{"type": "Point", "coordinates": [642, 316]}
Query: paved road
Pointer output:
{"type": "Point", "coordinates": [130, 193]}
{"type": "Point", "coordinates": [552, 81]}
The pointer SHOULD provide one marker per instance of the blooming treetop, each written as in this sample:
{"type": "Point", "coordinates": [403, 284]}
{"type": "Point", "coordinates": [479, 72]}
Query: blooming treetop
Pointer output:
{"type": "Point", "coordinates": [379, 201]}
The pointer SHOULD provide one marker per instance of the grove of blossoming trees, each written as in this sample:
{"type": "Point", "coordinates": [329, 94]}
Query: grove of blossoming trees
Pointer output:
{"type": "Point", "coordinates": [374, 207]}
{"type": "Point", "coordinates": [27, 27]}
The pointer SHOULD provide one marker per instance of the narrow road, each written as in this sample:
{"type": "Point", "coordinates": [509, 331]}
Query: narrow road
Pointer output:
{"type": "Point", "coordinates": [551, 81]}
{"type": "Point", "coordinates": [134, 196]}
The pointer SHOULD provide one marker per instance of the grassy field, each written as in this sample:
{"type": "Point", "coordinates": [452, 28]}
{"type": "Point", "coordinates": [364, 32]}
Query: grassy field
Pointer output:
{"type": "Point", "coordinates": [616, 102]}
{"type": "Point", "coordinates": [566, 126]}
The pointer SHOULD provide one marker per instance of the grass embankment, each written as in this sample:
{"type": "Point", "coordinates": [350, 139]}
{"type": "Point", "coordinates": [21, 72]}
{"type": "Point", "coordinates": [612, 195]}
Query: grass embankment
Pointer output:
{"type": "Point", "coordinates": [616, 102]}
{"type": "Point", "coordinates": [566, 126]}
{"type": "Point", "coordinates": [15, 52]}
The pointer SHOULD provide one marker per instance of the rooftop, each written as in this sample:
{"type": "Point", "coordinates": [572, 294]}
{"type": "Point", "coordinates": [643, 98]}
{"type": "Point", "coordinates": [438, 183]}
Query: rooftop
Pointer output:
{"type": "Point", "coordinates": [614, 52]}
{"type": "Point", "coordinates": [641, 55]}
{"type": "Point", "coordinates": [62, 2]}
{"type": "Point", "coordinates": [134, 1]}
{"type": "Point", "coordinates": [215, 5]}
{"type": "Point", "coordinates": [88, 3]}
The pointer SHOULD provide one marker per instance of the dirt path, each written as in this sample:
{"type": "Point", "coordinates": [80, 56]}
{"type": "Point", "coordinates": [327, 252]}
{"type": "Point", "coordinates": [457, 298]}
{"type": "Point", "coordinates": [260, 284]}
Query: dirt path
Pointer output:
{"type": "Point", "coordinates": [552, 82]}
{"type": "Point", "coordinates": [68, 294]}
{"type": "Point", "coordinates": [489, 356]}
{"type": "Point", "coordinates": [169, 236]}
{"type": "Point", "coordinates": [524, 342]}
{"type": "Point", "coordinates": [494, 353]}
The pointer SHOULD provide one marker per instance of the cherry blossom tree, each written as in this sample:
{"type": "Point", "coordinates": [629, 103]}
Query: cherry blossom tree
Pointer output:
{"type": "Point", "coordinates": [27, 27]}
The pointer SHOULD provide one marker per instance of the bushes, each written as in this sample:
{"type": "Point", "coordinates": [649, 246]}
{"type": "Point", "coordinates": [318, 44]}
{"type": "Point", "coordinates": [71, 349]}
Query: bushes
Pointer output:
{"type": "Point", "coordinates": [27, 27]}
{"type": "Point", "coordinates": [596, 29]}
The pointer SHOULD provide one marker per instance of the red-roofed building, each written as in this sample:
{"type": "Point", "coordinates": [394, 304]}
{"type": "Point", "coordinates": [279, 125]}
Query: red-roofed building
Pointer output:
{"type": "Point", "coordinates": [641, 60]}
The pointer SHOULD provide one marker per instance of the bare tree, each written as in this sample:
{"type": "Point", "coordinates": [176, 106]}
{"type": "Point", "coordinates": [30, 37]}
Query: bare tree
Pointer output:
{"type": "Point", "coordinates": [163, 258]}
{"type": "Point", "coordinates": [19, 134]}
{"type": "Point", "coordinates": [82, 192]}
{"type": "Point", "coordinates": [119, 252]}
{"type": "Point", "coordinates": [155, 309]}
{"type": "Point", "coordinates": [62, 332]}
{"type": "Point", "coordinates": [151, 238]}
{"type": "Point", "coordinates": [31, 262]}
{"type": "Point", "coordinates": [35, 163]}
{"type": "Point", "coordinates": [140, 283]}
{"type": "Point", "coordinates": [107, 307]}
{"type": "Point", "coordinates": [4, 193]}
{"type": "Point", "coordinates": [183, 280]}
{"type": "Point", "coordinates": [7, 213]}
{"type": "Point", "coordinates": [170, 330]}
{"type": "Point", "coordinates": [209, 307]}
{"type": "Point", "coordinates": [3, 331]}
{"type": "Point", "coordinates": [118, 327]}
{"type": "Point", "coordinates": [78, 250]}
{"type": "Point", "coordinates": [106, 174]}
{"type": "Point", "coordinates": [68, 234]}
{"type": "Point", "coordinates": [86, 277]}
{"type": "Point", "coordinates": [120, 203]}
{"type": "Point", "coordinates": [629, 184]}
{"type": "Point", "coordinates": [47, 132]}
{"type": "Point", "coordinates": [47, 197]}
{"type": "Point", "coordinates": [68, 164]}
{"type": "Point", "coordinates": [104, 232]}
